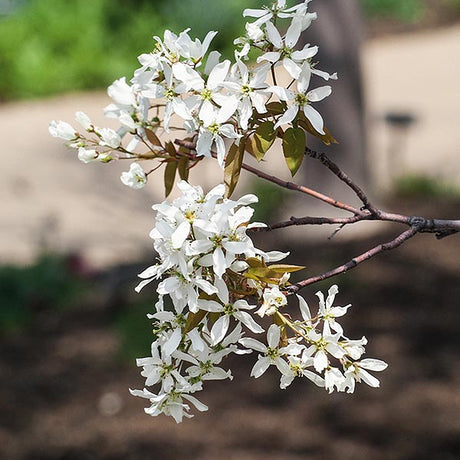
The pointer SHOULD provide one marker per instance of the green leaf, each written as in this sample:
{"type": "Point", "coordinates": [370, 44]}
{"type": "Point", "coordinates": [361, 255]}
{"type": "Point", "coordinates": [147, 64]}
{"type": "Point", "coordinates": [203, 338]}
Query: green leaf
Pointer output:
{"type": "Point", "coordinates": [284, 268]}
{"type": "Point", "coordinates": [263, 274]}
{"type": "Point", "coordinates": [232, 170]}
{"type": "Point", "coordinates": [254, 262]}
{"type": "Point", "coordinates": [170, 175]}
{"type": "Point", "coordinates": [294, 144]}
{"type": "Point", "coordinates": [326, 138]}
{"type": "Point", "coordinates": [263, 138]}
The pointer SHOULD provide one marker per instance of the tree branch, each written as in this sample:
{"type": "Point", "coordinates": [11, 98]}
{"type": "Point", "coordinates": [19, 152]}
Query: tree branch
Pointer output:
{"type": "Point", "coordinates": [344, 178]}
{"type": "Point", "coordinates": [282, 183]}
{"type": "Point", "coordinates": [393, 244]}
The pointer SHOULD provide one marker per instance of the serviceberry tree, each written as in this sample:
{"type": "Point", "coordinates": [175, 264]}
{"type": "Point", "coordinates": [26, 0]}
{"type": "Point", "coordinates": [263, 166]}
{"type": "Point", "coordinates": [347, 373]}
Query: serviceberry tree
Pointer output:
{"type": "Point", "coordinates": [214, 284]}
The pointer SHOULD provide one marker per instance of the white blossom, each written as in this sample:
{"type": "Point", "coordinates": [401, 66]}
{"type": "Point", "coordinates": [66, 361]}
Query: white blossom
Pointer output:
{"type": "Point", "coordinates": [135, 177]}
{"type": "Point", "coordinates": [62, 130]}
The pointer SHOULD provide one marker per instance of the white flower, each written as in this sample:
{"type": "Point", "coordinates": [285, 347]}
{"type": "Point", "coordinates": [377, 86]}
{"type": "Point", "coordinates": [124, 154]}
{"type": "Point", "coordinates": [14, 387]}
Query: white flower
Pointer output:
{"type": "Point", "coordinates": [284, 49]}
{"type": "Point", "coordinates": [214, 130]}
{"type": "Point", "coordinates": [171, 403]}
{"type": "Point", "coordinates": [122, 93]}
{"type": "Point", "coordinates": [274, 299]}
{"type": "Point", "coordinates": [302, 99]}
{"type": "Point", "coordinates": [158, 368]}
{"type": "Point", "coordinates": [171, 90]}
{"type": "Point", "coordinates": [272, 354]}
{"type": "Point", "coordinates": [329, 313]}
{"type": "Point", "coordinates": [358, 371]}
{"type": "Point", "coordinates": [299, 368]}
{"type": "Point", "coordinates": [62, 130]}
{"type": "Point", "coordinates": [87, 155]}
{"type": "Point", "coordinates": [247, 88]}
{"type": "Point", "coordinates": [333, 378]}
{"type": "Point", "coordinates": [84, 120]}
{"type": "Point", "coordinates": [109, 138]}
{"type": "Point", "coordinates": [237, 310]}
{"type": "Point", "coordinates": [135, 177]}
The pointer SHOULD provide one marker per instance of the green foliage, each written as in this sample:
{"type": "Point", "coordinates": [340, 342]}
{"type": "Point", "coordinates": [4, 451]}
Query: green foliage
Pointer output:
{"type": "Point", "coordinates": [403, 10]}
{"type": "Point", "coordinates": [419, 186]}
{"type": "Point", "coordinates": [454, 6]}
{"type": "Point", "coordinates": [134, 329]}
{"type": "Point", "coordinates": [46, 286]}
{"type": "Point", "coordinates": [272, 199]}
{"type": "Point", "coordinates": [51, 46]}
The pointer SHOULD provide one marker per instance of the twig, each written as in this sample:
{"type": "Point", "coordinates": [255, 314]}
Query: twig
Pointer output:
{"type": "Point", "coordinates": [393, 244]}
{"type": "Point", "coordinates": [285, 184]}
{"type": "Point", "coordinates": [344, 178]}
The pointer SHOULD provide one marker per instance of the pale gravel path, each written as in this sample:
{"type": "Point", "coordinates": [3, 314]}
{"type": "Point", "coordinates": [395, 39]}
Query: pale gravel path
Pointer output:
{"type": "Point", "coordinates": [47, 194]}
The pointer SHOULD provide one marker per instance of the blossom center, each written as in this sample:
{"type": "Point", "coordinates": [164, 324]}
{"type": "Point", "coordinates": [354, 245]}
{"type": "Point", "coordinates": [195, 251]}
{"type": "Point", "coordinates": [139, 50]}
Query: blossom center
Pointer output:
{"type": "Point", "coordinates": [170, 94]}
{"type": "Point", "coordinates": [206, 94]}
{"type": "Point", "coordinates": [246, 89]}
{"type": "Point", "coordinates": [301, 99]}
{"type": "Point", "coordinates": [214, 128]}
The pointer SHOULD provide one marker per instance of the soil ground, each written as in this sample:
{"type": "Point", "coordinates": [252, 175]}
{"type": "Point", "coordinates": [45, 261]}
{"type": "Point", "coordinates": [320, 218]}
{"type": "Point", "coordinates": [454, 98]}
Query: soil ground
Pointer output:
{"type": "Point", "coordinates": [65, 391]}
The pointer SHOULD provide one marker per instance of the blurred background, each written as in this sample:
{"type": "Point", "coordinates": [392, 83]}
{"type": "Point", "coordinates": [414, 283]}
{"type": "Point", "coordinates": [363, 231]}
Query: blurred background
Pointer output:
{"type": "Point", "coordinates": [73, 238]}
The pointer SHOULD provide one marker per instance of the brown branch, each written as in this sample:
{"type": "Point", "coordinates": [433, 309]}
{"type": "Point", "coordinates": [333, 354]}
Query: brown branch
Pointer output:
{"type": "Point", "coordinates": [344, 178]}
{"type": "Point", "coordinates": [285, 184]}
{"type": "Point", "coordinates": [309, 220]}
{"type": "Point", "coordinates": [393, 244]}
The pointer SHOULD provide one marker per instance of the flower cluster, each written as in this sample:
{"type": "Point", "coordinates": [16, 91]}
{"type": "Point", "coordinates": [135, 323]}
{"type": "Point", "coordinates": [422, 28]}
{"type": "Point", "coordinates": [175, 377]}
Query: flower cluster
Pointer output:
{"type": "Point", "coordinates": [209, 268]}
{"type": "Point", "coordinates": [202, 246]}
{"type": "Point", "coordinates": [316, 345]}
{"type": "Point", "coordinates": [213, 284]}
{"type": "Point", "coordinates": [212, 100]}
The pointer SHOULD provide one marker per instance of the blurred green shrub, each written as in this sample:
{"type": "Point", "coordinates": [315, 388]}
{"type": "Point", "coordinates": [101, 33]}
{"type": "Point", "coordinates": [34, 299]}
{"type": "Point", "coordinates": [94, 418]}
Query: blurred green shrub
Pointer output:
{"type": "Point", "coordinates": [48, 285]}
{"type": "Point", "coordinates": [419, 186]}
{"type": "Point", "coordinates": [51, 46]}
{"type": "Point", "coordinates": [404, 10]}
{"type": "Point", "coordinates": [272, 199]}
{"type": "Point", "coordinates": [134, 329]}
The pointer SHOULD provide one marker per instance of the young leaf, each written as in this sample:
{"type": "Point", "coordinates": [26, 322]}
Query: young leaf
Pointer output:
{"type": "Point", "coordinates": [153, 138]}
{"type": "Point", "coordinates": [326, 138]}
{"type": "Point", "coordinates": [169, 177]}
{"type": "Point", "coordinates": [183, 168]}
{"type": "Point", "coordinates": [171, 149]}
{"type": "Point", "coordinates": [284, 268]}
{"type": "Point", "coordinates": [263, 138]}
{"type": "Point", "coordinates": [232, 169]}
{"type": "Point", "coordinates": [193, 319]}
{"type": "Point", "coordinates": [263, 274]}
{"type": "Point", "coordinates": [294, 144]}
{"type": "Point", "coordinates": [255, 262]}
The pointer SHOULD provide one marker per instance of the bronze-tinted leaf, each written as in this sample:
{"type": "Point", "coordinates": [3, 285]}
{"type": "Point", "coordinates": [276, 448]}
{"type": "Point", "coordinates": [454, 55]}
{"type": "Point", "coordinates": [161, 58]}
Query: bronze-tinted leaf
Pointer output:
{"type": "Point", "coordinates": [276, 108]}
{"type": "Point", "coordinates": [294, 144]}
{"type": "Point", "coordinates": [170, 176]}
{"type": "Point", "coordinates": [233, 163]}
{"type": "Point", "coordinates": [153, 138]}
{"type": "Point", "coordinates": [326, 138]}
{"type": "Point", "coordinates": [263, 138]}
{"type": "Point", "coordinates": [171, 149]}
{"type": "Point", "coordinates": [183, 168]}
{"type": "Point", "coordinates": [193, 319]}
